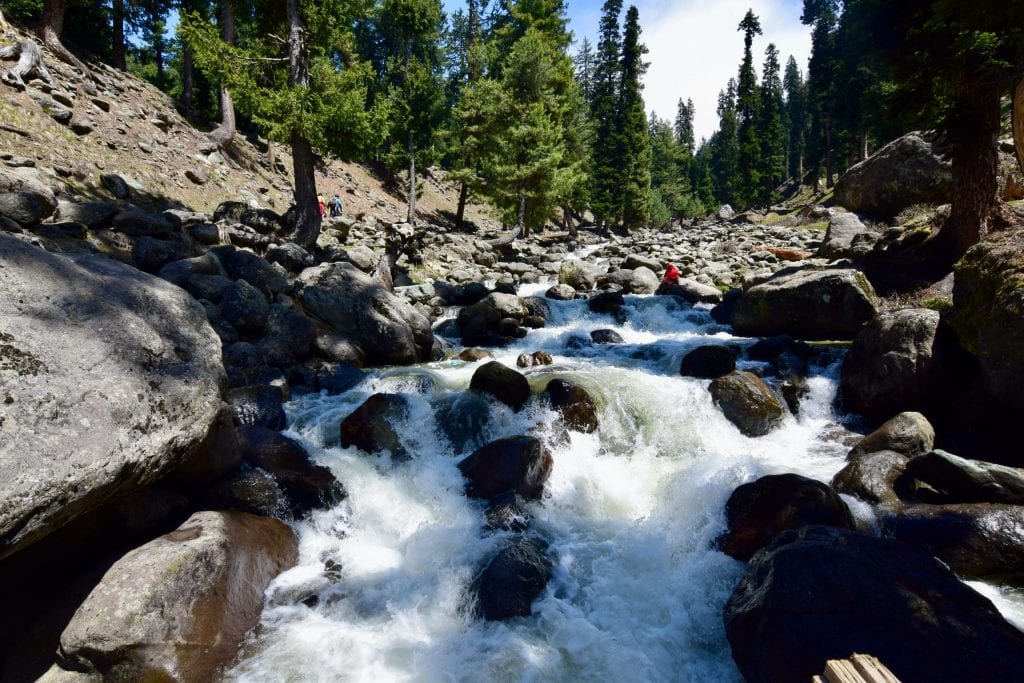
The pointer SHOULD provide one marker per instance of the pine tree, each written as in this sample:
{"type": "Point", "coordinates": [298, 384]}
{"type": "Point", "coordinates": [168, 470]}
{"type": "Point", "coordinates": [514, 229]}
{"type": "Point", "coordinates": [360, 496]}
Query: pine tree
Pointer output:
{"type": "Point", "coordinates": [584, 61]}
{"type": "Point", "coordinates": [822, 79]}
{"type": "Point", "coordinates": [796, 119]}
{"type": "Point", "coordinates": [604, 200]}
{"type": "Point", "coordinates": [669, 185]}
{"type": "Point", "coordinates": [684, 125]}
{"type": "Point", "coordinates": [636, 146]}
{"type": "Point", "coordinates": [723, 148]}
{"type": "Point", "coordinates": [747, 106]}
{"type": "Point", "coordinates": [772, 161]}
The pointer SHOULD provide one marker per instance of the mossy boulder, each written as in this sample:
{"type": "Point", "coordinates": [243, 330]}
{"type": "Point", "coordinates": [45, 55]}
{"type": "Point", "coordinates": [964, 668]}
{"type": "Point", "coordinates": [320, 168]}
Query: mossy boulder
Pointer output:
{"type": "Point", "coordinates": [988, 314]}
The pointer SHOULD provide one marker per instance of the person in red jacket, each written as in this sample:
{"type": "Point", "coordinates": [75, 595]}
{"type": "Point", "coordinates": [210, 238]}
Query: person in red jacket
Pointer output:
{"type": "Point", "coordinates": [671, 276]}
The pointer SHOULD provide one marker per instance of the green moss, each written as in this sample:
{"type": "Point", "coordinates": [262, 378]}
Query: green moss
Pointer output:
{"type": "Point", "coordinates": [942, 304]}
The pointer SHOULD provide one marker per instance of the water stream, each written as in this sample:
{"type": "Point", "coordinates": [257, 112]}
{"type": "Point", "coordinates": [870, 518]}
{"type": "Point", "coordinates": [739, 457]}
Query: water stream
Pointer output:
{"type": "Point", "coordinates": [630, 512]}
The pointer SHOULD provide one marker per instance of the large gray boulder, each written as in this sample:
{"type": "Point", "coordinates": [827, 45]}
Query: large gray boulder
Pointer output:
{"type": "Point", "coordinates": [988, 313]}
{"type": "Point", "coordinates": [178, 607]}
{"type": "Point", "coordinates": [579, 275]}
{"type": "Point", "coordinates": [843, 229]}
{"type": "Point", "coordinates": [387, 328]}
{"type": "Point", "coordinates": [899, 362]}
{"type": "Point", "coordinates": [27, 182]}
{"type": "Point", "coordinates": [108, 379]}
{"type": "Point", "coordinates": [481, 323]}
{"type": "Point", "coordinates": [807, 304]}
{"type": "Point", "coordinates": [907, 171]}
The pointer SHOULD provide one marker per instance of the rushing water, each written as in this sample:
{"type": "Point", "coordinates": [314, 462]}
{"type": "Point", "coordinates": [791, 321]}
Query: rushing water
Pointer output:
{"type": "Point", "coordinates": [630, 512]}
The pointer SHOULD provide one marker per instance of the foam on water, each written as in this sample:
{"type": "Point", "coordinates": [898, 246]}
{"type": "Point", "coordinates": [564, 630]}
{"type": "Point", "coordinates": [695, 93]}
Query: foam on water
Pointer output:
{"type": "Point", "coordinates": [630, 513]}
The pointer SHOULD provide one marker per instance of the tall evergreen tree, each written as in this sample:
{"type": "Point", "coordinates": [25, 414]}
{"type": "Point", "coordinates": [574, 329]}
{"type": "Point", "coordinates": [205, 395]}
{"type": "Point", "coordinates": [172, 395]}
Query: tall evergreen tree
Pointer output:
{"type": "Point", "coordinates": [796, 119]}
{"type": "Point", "coordinates": [604, 198]}
{"type": "Point", "coordinates": [723, 148]}
{"type": "Point", "coordinates": [636, 145]}
{"type": "Point", "coordinates": [747, 106]}
{"type": "Point", "coordinates": [822, 79]}
{"type": "Point", "coordinates": [584, 61]}
{"type": "Point", "coordinates": [772, 160]}
{"type": "Point", "coordinates": [684, 125]}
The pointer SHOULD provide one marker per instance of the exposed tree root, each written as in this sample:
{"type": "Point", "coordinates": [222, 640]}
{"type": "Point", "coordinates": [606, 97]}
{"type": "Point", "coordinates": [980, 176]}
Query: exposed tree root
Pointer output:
{"type": "Point", "coordinates": [30, 62]}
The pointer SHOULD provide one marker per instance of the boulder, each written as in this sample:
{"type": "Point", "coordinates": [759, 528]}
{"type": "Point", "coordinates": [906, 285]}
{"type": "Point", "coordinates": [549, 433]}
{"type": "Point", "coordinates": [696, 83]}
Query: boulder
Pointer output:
{"type": "Point", "coordinates": [179, 272]}
{"type": "Point", "coordinates": [823, 593]}
{"type": "Point", "coordinates": [370, 426]}
{"type": "Point", "coordinates": [246, 489]}
{"type": "Point", "coordinates": [258, 272]}
{"type": "Point", "coordinates": [747, 402]}
{"type": "Point", "coordinates": [27, 181]}
{"type": "Point", "coordinates": [988, 313]}
{"type": "Point", "coordinates": [561, 292]}
{"type": "Point", "coordinates": [513, 579]}
{"type": "Point", "coordinates": [574, 404]}
{"type": "Point", "coordinates": [307, 485]}
{"type": "Point", "coordinates": [209, 287]}
{"type": "Point", "coordinates": [110, 377]}
{"type": "Point", "coordinates": [909, 170]}
{"type": "Point", "coordinates": [908, 433]}
{"type": "Point", "coordinates": [463, 418]}
{"type": "Point", "coordinates": [975, 540]}
{"type": "Point", "coordinates": [872, 477]}
{"type": "Point", "coordinates": [258, 406]}
{"type": "Point", "coordinates": [473, 354]}
{"type": "Point", "coordinates": [760, 510]}
{"type": "Point", "coordinates": [150, 254]}
{"type": "Point", "coordinates": [481, 323]}
{"type": "Point", "coordinates": [91, 214]}
{"type": "Point", "coordinates": [516, 463]}
{"type": "Point", "coordinates": [579, 275]}
{"type": "Point", "coordinates": [692, 291]}
{"type": "Point", "coordinates": [901, 361]}
{"type": "Point", "coordinates": [502, 382]}
{"type": "Point", "coordinates": [23, 208]}
{"type": "Point", "coordinates": [179, 607]}
{"type": "Point", "coordinates": [136, 222]}
{"type": "Point", "coordinates": [290, 256]}
{"type": "Point", "coordinates": [843, 238]}
{"type": "Point", "coordinates": [725, 212]}
{"type": "Point", "coordinates": [606, 302]}
{"type": "Point", "coordinates": [951, 479]}
{"type": "Point", "coordinates": [809, 304]}
{"type": "Point", "coordinates": [634, 261]}
{"type": "Point", "coordinates": [245, 308]}
{"type": "Point", "coordinates": [606, 337]}
{"type": "Point", "coordinates": [709, 361]}
{"type": "Point", "coordinates": [388, 329]}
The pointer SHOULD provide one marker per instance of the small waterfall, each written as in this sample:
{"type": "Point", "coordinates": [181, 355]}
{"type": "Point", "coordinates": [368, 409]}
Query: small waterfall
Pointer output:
{"type": "Point", "coordinates": [630, 512]}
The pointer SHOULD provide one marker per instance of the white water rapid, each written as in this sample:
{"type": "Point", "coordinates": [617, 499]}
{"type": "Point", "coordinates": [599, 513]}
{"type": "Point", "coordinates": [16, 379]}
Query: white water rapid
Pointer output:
{"type": "Point", "coordinates": [630, 512]}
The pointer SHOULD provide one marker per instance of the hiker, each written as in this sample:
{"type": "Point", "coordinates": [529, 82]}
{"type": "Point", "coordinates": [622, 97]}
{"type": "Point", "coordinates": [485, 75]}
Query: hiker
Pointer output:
{"type": "Point", "coordinates": [320, 203]}
{"type": "Point", "coordinates": [671, 276]}
{"type": "Point", "coordinates": [335, 206]}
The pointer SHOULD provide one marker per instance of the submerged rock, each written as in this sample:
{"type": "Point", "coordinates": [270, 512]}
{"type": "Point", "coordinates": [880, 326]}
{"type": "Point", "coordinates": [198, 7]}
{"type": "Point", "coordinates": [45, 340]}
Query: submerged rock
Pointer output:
{"type": "Point", "coordinates": [307, 485]}
{"type": "Point", "coordinates": [508, 512]}
{"type": "Point", "coordinates": [574, 404]}
{"type": "Point", "coordinates": [179, 607]}
{"type": "Point", "coordinates": [709, 361]}
{"type": "Point", "coordinates": [258, 406]}
{"type": "Point", "coordinates": [504, 383]}
{"type": "Point", "coordinates": [370, 426]}
{"type": "Point", "coordinates": [747, 402]}
{"type": "Point", "coordinates": [516, 463]}
{"type": "Point", "coordinates": [759, 511]}
{"type": "Point", "coordinates": [513, 579]}
{"type": "Point", "coordinates": [822, 593]}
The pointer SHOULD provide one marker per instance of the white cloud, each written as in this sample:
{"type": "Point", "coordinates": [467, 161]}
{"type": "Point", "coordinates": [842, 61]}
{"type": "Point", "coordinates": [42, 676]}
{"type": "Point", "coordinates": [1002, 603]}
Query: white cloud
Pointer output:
{"type": "Point", "coordinates": [695, 48]}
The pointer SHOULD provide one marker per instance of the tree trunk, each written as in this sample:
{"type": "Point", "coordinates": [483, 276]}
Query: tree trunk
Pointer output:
{"type": "Point", "coordinates": [272, 156]}
{"type": "Point", "coordinates": [187, 74]}
{"type": "Point", "coordinates": [411, 215]}
{"type": "Point", "coordinates": [521, 216]}
{"type": "Point", "coordinates": [307, 212]}
{"type": "Point", "coordinates": [973, 132]}
{"type": "Point", "coordinates": [460, 212]}
{"type": "Point", "coordinates": [117, 16]}
{"type": "Point", "coordinates": [828, 151]}
{"type": "Point", "coordinates": [52, 27]}
{"type": "Point", "coordinates": [570, 224]}
{"type": "Point", "coordinates": [863, 147]}
{"type": "Point", "coordinates": [224, 134]}
{"type": "Point", "coordinates": [1018, 122]}
{"type": "Point", "coordinates": [3, 22]}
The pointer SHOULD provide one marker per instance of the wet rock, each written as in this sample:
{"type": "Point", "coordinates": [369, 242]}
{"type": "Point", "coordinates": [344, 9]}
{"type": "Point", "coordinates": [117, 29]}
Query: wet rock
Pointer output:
{"type": "Point", "coordinates": [388, 329]}
{"type": "Point", "coordinates": [507, 512]}
{"type": "Point", "coordinates": [369, 427]}
{"type": "Point", "coordinates": [180, 606]}
{"type": "Point", "coordinates": [482, 323]}
{"type": "Point", "coordinates": [759, 511]}
{"type": "Point", "coordinates": [606, 337]}
{"type": "Point", "coordinates": [105, 398]}
{"type": "Point", "coordinates": [901, 361]}
{"type": "Point", "coordinates": [722, 313]}
{"type": "Point", "coordinates": [258, 406]}
{"type": "Point", "coordinates": [909, 170]}
{"type": "Point", "coordinates": [561, 292]}
{"type": "Point", "coordinates": [504, 383]}
{"type": "Point", "coordinates": [516, 463]}
{"type": "Point", "coordinates": [710, 361]}
{"type": "Point", "coordinates": [242, 355]}
{"type": "Point", "coordinates": [692, 291]}
{"type": "Point", "coordinates": [975, 540]}
{"type": "Point", "coordinates": [605, 302]}
{"type": "Point", "coordinates": [216, 455]}
{"type": "Point", "coordinates": [463, 418]}
{"type": "Point", "coordinates": [908, 433]}
{"type": "Point", "coordinates": [245, 308]}
{"type": "Point", "coordinates": [574, 404]}
{"type": "Point", "coordinates": [246, 489]}
{"type": "Point", "coordinates": [513, 579]}
{"type": "Point", "coordinates": [809, 304]}
{"type": "Point", "coordinates": [872, 477]}
{"type": "Point", "coordinates": [951, 479]}
{"type": "Point", "coordinates": [307, 485]}
{"type": "Point", "coordinates": [769, 349]}
{"type": "Point", "coordinates": [822, 593]}
{"type": "Point", "coordinates": [474, 354]}
{"type": "Point", "coordinates": [747, 402]}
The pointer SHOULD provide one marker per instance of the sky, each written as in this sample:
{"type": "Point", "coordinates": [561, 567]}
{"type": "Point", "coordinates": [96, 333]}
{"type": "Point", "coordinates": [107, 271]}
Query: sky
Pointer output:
{"type": "Point", "coordinates": [695, 47]}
